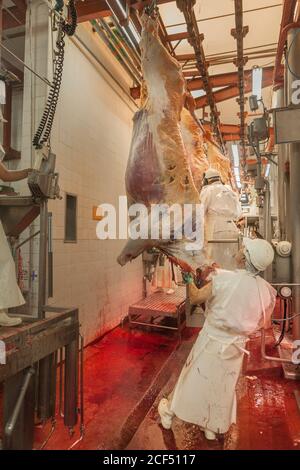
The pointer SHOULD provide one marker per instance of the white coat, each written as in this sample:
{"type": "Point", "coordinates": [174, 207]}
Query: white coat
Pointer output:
{"type": "Point", "coordinates": [221, 208]}
{"type": "Point", "coordinates": [10, 294]}
{"type": "Point", "coordinates": [205, 393]}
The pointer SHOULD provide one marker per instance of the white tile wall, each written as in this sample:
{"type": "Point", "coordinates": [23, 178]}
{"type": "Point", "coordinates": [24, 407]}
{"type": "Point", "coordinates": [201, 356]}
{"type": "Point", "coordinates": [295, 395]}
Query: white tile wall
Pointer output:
{"type": "Point", "coordinates": [91, 138]}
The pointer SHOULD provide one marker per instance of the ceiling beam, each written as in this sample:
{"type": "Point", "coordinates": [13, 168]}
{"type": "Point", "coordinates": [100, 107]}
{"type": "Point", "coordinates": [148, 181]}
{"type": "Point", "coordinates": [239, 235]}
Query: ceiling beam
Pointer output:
{"type": "Point", "coordinates": [225, 128]}
{"type": "Point", "coordinates": [221, 80]}
{"type": "Point", "coordinates": [178, 37]}
{"type": "Point", "coordinates": [93, 9]}
{"type": "Point", "coordinates": [226, 79]}
{"type": "Point", "coordinates": [232, 137]}
{"type": "Point", "coordinates": [233, 91]}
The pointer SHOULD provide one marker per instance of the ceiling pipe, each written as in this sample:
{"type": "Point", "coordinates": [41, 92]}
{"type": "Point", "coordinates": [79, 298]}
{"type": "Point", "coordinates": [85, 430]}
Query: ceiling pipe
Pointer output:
{"type": "Point", "coordinates": [287, 23]}
{"type": "Point", "coordinates": [121, 47]}
{"type": "Point", "coordinates": [108, 40]}
{"type": "Point", "coordinates": [121, 10]}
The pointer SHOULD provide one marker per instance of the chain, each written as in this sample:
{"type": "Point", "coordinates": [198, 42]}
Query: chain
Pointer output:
{"type": "Point", "coordinates": [43, 132]}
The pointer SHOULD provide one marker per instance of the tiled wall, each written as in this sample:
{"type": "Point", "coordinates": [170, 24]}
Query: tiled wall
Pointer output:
{"type": "Point", "coordinates": [91, 138]}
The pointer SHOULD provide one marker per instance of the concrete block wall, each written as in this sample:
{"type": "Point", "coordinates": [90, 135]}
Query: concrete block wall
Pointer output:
{"type": "Point", "coordinates": [91, 138]}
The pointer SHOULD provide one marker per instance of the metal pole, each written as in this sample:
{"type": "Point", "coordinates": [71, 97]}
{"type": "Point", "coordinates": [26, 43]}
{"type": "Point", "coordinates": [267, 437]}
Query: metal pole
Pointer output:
{"type": "Point", "coordinates": [279, 103]}
{"type": "Point", "coordinates": [50, 257]}
{"type": "Point", "coordinates": [10, 425]}
{"type": "Point", "coordinates": [293, 72]}
{"type": "Point", "coordinates": [71, 384]}
{"type": "Point", "coordinates": [287, 198]}
{"type": "Point", "coordinates": [42, 295]}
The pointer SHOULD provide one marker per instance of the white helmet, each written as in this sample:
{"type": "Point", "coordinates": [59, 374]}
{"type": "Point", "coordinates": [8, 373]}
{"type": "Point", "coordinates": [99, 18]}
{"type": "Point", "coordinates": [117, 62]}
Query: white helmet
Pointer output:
{"type": "Point", "coordinates": [212, 173]}
{"type": "Point", "coordinates": [259, 253]}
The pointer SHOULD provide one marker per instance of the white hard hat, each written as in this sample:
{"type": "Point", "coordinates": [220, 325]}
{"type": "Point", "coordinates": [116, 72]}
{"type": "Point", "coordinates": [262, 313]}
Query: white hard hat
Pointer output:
{"type": "Point", "coordinates": [260, 253]}
{"type": "Point", "coordinates": [212, 173]}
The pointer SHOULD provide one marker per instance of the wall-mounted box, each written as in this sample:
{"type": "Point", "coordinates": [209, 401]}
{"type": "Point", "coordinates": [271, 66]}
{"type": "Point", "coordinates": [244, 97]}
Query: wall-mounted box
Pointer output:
{"type": "Point", "coordinates": [287, 125]}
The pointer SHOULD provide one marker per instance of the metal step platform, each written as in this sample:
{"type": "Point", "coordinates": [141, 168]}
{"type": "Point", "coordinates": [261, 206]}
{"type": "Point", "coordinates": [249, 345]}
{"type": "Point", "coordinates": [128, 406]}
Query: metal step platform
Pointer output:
{"type": "Point", "coordinates": [160, 310]}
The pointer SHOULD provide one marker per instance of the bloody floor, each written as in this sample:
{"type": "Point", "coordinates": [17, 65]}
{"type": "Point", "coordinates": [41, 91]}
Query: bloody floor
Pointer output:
{"type": "Point", "coordinates": [126, 374]}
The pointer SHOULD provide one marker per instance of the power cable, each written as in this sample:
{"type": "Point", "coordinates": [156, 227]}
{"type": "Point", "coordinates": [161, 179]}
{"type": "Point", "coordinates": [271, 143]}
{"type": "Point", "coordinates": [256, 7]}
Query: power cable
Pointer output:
{"type": "Point", "coordinates": [43, 132]}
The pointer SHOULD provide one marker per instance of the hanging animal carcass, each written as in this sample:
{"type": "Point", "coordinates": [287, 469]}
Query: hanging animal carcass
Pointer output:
{"type": "Point", "coordinates": [167, 157]}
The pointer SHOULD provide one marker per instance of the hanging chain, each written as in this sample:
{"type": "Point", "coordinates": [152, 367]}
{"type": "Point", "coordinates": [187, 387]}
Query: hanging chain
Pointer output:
{"type": "Point", "coordinates": [43, 132]}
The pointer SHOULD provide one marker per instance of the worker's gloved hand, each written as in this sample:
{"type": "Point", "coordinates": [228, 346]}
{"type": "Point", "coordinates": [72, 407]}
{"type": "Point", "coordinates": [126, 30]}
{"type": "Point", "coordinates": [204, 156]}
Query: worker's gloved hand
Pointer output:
{"type": "Point", "coordinates": [188, 278]}
{"type": "Point", "coordinates": [206, 271]}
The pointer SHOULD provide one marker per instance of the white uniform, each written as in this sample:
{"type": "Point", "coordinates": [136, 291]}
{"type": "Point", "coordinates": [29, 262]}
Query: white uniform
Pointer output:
{"type": "Point", "coordinates": [205, 392]}
{"type": "Point", "coordinates": [10, 294]}
{"type": "Point", "coordinates": [221, 208]}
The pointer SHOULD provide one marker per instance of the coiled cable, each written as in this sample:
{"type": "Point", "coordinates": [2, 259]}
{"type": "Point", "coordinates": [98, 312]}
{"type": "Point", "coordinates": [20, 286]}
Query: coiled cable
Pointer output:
{"type": "Point", "coordinates": [43, 132]}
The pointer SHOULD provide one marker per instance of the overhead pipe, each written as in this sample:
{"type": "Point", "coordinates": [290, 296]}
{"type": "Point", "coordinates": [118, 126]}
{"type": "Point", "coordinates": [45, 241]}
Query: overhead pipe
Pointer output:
{"type": "Point", "coordinates": [122, 18]}
{"type": "Point", "coordinates": [136, 58]}
{"type": "Point", "coordinates": [287, 23]}
{"type": "Point", "coordinates": [117, 44]}
{"type": "Point", "coordinates": [122, 13]}
{"type": "Point", "coordinates": [97, 27]}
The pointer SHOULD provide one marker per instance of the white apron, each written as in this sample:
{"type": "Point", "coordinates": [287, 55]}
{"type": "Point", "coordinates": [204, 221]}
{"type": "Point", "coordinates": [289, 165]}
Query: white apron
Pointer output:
{"type": "Point", "coordinates": [205, 392]}
{"type": "Point", "coordinates": [10, 294]}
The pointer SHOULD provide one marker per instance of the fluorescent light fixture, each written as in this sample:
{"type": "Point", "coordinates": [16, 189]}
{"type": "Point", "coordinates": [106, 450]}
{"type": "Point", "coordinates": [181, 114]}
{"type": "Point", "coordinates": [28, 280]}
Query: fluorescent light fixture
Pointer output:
{"type": "Point", "coordinates": [236, 172]}
{"type": "Point", "coordinates": [198, 93]}
{"type": "Point", "coordinates": [268, 169]}
{"type": "Point", "coordinates": [236, 155]}
{"type": "Point", "coordinates": [257, 76]}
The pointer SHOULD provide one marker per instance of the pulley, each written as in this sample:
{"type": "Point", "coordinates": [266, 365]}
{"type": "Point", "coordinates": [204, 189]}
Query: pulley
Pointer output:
{"type": "Point", "coordinates": [152, 8]}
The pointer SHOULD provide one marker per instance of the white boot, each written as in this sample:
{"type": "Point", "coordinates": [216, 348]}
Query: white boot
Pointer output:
{"type": "Point", "coordinates": [5, 320]}
{"type": "Point", "coordinates": [210, 435]}
{"type": "Point", "coordinates": [166, 415]}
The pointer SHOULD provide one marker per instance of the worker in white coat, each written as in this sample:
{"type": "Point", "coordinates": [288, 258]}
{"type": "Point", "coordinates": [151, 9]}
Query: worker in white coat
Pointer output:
{"type": "Point", "coordinates": [239, 303]}
{"type": "Point", "coordinates": [221, 209]}
{"type": "Point", "coordinates": [10, 294]}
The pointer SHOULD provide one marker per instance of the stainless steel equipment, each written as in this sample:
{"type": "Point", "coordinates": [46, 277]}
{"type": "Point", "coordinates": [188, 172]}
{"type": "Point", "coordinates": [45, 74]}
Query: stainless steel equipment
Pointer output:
{"type": "Point", "coordinates": [30, 360]}
{"type": "Point", "coordinates": [43, 181]}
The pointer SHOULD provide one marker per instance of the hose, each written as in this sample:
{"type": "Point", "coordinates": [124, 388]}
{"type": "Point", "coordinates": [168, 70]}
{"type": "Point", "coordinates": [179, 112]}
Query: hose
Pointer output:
{"type": "Point", "coordinates": [65, 28]}
{"type": "Point", "coordinates": [283, 324]}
